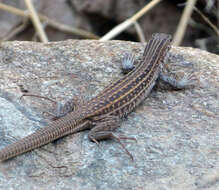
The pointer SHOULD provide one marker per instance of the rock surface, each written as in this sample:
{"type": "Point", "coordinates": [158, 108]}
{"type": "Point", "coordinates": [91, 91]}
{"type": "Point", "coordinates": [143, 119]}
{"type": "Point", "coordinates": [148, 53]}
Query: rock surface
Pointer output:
{"type": "Point", "coordinates": [177, 131]}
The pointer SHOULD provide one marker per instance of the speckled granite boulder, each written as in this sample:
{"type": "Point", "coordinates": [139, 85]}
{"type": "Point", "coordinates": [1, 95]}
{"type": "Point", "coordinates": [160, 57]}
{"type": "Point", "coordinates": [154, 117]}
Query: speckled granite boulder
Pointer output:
{"type": "Point", "coordinates": [177, 132]}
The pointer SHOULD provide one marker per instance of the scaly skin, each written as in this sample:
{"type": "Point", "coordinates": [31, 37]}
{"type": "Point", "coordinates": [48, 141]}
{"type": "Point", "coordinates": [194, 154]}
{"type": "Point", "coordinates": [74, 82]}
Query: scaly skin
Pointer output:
{"type": "Point", "coordinates": [102, 113]}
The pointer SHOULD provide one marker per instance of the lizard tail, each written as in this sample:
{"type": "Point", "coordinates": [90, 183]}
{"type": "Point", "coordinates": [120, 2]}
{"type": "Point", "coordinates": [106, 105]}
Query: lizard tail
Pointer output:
{"type": "Point", "coordinates": [53, 131]}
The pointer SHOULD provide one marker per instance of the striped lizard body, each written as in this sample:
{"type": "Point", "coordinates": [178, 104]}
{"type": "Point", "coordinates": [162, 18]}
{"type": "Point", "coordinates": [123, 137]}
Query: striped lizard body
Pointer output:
{"type": "Point", "coordinates": [101, 114]}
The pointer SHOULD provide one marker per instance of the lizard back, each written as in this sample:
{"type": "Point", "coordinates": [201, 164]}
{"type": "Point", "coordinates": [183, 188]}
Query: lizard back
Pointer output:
{"type": "Point", "coordinates": [119, 99]}
{"type": "Point", "coordinates": [122, 96]}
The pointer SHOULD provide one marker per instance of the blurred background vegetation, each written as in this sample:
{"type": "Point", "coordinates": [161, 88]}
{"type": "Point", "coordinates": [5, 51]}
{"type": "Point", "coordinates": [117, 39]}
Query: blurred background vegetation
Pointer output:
{"type": "Point", "coordinates": [192, 22]}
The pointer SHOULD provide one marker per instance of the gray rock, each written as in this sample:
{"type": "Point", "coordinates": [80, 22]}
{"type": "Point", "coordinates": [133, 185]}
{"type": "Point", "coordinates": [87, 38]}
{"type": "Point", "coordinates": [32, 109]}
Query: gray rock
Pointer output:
{"type": "Point", "coordinates": [177, 131]}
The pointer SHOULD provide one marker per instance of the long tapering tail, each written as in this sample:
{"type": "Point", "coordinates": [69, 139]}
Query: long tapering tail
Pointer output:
{"type": "Point", "coordinates": [59, 128]}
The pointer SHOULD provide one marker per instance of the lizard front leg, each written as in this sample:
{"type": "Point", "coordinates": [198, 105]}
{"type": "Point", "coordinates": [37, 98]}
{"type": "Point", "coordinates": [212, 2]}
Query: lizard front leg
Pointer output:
{"type": "Point", "coordinates": [187, 81]}
{"type": "Point", "coordinates": [103, 127]}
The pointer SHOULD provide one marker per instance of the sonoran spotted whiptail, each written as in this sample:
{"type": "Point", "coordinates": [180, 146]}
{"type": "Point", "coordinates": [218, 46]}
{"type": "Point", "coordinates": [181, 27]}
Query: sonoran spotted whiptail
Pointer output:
{"type": "Point", "coordinates": [101, 114]}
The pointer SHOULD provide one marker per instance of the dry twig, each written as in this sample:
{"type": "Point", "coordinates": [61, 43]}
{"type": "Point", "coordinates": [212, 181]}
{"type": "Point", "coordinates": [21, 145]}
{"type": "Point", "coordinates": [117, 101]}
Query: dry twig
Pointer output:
{"type": "Point", "coordinates": [36, 21]}
{"type": "Point", "coordinates": [207, 21]}
{"type": "Point", "coordinates": [183, 22]}
{"type": "Point", "coordinates": [52, 23]}
{"type": "Point", "coordinates": [124, 25]}
{"type": "Point", "coordinates": [16, 30]}
{"type": "Point", "coordinates": [139, 32]}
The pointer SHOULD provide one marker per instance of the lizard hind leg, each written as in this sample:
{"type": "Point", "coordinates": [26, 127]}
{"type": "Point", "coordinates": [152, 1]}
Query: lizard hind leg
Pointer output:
{"type": "Point", "coordinates": [69, 106]}
{"type": "Point", "coordinates": [103, 127]}
{"type": "Point", "coordinates": [188, 81]}
{"type": "Point", "coordinates": [61, 109]}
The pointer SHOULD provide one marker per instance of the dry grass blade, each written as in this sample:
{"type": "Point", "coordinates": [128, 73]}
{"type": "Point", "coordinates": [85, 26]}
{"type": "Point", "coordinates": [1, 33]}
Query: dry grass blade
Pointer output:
{"type": "Point", "coordinates": [16, 30]}
{"type": "Point", "coordinates": [50, 22]}
{"type": "Point", "coordinates": [36, 21]}
{"type": "Point", "coordinates": [139, 32]}
{"type": "Point", "coordinates": [183, 22]}
{"type": "Point", "coordinates": [207, 21]}
{"type": "Point", "coordinates": [127, 23]}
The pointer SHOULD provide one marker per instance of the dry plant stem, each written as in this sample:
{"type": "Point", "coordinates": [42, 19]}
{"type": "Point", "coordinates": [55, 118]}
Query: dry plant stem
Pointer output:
{"type": "Point", "coordinates": [36, 21]}
{"type": "Point", "coordinates": [207, 21]}
{"type": "Point", "coordinates": [124, 25]}
{"type": "Point", "coordinates": [35, 36]}
{"type": "Point", "coordinates": [38, 96]}
{"type": "Point", "coordinates": [69, 29]}
{"type": "Point", "coordinates": [200, 26]}
{"type": "Point", "coordinates": [139, 32]}
{"type": "Point", "coordinates": [183, 22]}
{"type": "Point", "coordinates": [52, 23]}
{"type": "Point", "coordinates": [16, 31]}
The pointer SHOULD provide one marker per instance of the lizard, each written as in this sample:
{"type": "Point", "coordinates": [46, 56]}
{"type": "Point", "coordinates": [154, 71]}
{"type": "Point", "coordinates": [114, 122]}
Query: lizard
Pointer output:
{"type": "Point", "coordinates": [102, 114]}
